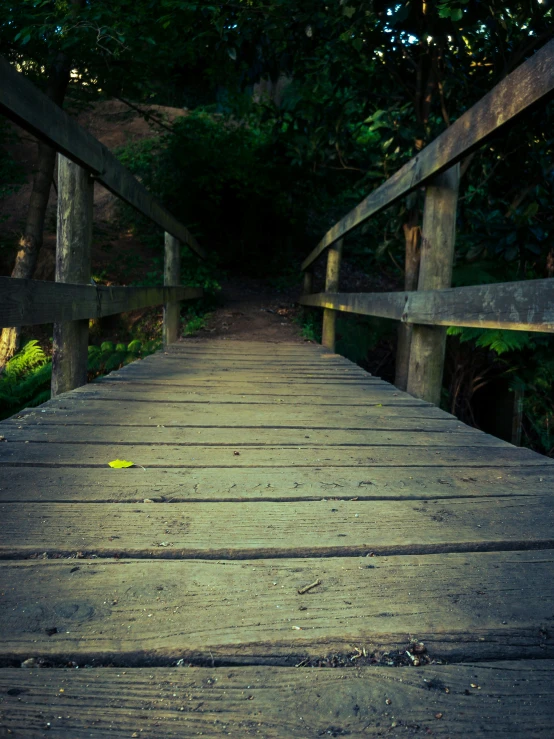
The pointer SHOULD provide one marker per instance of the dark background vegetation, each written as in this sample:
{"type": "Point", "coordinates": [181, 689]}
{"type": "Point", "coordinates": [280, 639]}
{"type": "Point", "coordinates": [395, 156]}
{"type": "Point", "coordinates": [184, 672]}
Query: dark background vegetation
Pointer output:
{"type": "Point", "coordinates": [292, 113]}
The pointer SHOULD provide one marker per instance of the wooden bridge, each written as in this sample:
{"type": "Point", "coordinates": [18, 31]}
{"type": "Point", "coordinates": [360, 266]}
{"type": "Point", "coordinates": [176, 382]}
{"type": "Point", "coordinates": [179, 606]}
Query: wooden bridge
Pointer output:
{"type": "Point", "coordinates": [287, 513]}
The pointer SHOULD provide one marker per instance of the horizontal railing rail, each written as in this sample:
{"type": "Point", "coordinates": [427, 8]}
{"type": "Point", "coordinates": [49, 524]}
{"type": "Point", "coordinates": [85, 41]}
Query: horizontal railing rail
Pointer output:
{"type": "Point", "coordinates": [424, 314]}
{"type": "Point", "coordinates": [32, 302]}
{"type": "Point", "coordinates": [27, 106]}
{"type": "Point", "coordinates": [524, 87]}
{"type": "Point", "coordinates": [519, 306]}
{"type": "Point", "coordinates": [71, 301]}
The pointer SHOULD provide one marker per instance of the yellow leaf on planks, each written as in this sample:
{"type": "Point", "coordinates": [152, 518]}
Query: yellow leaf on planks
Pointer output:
{"type": "Point", "coordinates": [118, 464]}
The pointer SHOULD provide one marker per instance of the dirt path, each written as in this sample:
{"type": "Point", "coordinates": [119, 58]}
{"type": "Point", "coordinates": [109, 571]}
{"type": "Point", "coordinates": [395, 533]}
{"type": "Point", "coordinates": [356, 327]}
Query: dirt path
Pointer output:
{"type": "Point", "coordinates": [252, 312]}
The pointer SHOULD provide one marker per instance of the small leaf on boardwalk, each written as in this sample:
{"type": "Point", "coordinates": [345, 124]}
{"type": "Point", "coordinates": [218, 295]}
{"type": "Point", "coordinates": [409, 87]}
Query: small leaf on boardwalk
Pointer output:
{"type": "Point", "coordinates": [118, 464]}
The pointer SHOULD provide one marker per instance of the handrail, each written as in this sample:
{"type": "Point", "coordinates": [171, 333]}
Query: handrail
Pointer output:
{"type": "Point", "coordinates": [519, 306]}
{"type": "Point", "coordinates": [32, 302]}
{"type": "Point", "coordinates": [27, 106]}
{"type": "Point", "coordinates": [525, 86]}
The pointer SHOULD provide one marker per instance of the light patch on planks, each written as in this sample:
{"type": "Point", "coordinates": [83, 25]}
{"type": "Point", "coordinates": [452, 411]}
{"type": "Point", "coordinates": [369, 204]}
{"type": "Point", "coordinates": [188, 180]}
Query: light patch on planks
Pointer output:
{"type": "Point", "coordinates": [147, 612]}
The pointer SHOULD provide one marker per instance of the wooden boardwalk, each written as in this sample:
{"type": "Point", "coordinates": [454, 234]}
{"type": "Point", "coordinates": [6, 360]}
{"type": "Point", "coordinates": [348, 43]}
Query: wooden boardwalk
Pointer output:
{"type": "Point", "coordinates": [287, 513]}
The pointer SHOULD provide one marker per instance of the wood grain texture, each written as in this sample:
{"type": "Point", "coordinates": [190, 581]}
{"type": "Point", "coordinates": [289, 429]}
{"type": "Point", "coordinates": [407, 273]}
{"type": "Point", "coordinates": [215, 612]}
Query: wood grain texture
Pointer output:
{"type": "Point", "coordinates": [519, 306]}
{"type": "Point", "coordinates": [258, 530]}
{"type": "Point", "coordinates": [332, 278]}
{"type": "Point", "coordinates": [510, 699]}
{"type": "Point", "coordinates": [73, 265]}
{"type": "Point", "coordinates": [524, 87]}
{"type": "Point", "coordinates": [487, 605]}
{"type": "Point", "coordinates": [27, 106]}
{"type": "Point", "coordinates": [82, 434]}
{"type": "Point", "coordinates": [32, 302]}
{"type": "Point", "coordinates": [104, 485]}
{"type": "Point", "coordinates": [438, 238]}
{"type": "Point", "coordinates": [167, 456]}
{"type": "Point", "coordinates": [171, 329]}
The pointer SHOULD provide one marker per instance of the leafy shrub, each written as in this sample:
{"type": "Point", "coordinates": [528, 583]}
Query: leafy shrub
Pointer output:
{"type": "Point", "coordinates": [27, 376]}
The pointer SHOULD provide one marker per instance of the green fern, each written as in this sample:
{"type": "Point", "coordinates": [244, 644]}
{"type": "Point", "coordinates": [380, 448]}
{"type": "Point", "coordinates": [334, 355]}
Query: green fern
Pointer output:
{"type": "Point", "coordinates": [499, 341]}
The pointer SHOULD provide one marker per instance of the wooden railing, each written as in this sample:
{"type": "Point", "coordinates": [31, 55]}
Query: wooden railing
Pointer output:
{"type": "Point", "coordinates": [527, 305]}
{"type": "Point", "coordinates": [72, 300]}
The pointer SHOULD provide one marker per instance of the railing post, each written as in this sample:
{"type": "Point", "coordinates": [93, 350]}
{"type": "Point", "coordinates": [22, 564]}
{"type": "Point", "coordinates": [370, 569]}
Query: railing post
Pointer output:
{"type": "Point", "coordinates": [438, 236]}
{"type": "Point", "coordinates": [331, 286]}
{"type": "Point", "coordinates": [308, 286]}
{"type": "Point", "coordinates": [411, 267]}
{"type": "Point", "coordinates": [73, 255]}
{"type": "Point", "coordinates": [172, 277]}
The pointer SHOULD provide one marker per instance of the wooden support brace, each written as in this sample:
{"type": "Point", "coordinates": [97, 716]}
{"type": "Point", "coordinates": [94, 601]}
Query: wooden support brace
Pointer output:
{"type": "Point", "coordinates": [438, 237]}
{"type": "Point", "coordinates": [73, 255]}
{"type": "Point", "coordinates": [331, 286]}
{"type": "Point", "coordinates": [172, 277]}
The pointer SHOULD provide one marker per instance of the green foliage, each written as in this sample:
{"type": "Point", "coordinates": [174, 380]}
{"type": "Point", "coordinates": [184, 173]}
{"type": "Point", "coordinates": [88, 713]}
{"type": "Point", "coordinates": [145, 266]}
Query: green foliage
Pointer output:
{"type": "Point", "coordinates": [498, 341]}
{"type": "Point", "coordinates": [357, 336]}
{"type": "Point", "coordinates": [108, 357]}
{"type": "Point", "coordinates": [26, 380]}
{"type": "Point", "coordinates": [310, 325]}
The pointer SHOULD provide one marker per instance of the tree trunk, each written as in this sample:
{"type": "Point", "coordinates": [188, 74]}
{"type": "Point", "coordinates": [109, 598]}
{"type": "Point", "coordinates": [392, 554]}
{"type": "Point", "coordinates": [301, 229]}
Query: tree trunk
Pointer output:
{"type": "Point", "coordinates": [31, 241]}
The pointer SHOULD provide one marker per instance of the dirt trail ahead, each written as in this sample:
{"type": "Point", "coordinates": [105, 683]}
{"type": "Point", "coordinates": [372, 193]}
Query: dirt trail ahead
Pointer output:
{"type": "Point", "coordinates": [252, 312]}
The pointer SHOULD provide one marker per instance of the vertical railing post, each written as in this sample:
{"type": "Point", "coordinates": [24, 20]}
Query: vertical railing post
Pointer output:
{"type": "Point", "coordinates": [73, 259]}
{"type": "Point", "coordinates": [438, 237]}
{"type": "Point", "coordinates": [411, 267]}
{"type": "Point", "coordinates": [331, 286]}
{"type": "Point", "coordinates": [172, 278]}
{"type": "Point", "coordinates": [308, 285]}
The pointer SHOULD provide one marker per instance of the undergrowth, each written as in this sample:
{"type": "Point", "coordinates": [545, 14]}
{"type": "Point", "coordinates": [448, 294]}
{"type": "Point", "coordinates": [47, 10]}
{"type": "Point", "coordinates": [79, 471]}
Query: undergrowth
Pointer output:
{"type": "Point", "coordinates": [25, 382]}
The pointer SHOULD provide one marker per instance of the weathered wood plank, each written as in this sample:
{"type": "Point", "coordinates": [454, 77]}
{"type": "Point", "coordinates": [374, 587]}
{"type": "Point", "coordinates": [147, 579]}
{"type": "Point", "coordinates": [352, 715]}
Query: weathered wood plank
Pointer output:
{"type": "Point", "coordinates": [525, 86]}
{"type": "Point", "coordinates": [510, 699]}
{"type": "Point", "coordinates": [156, 394]}
{"type": "Point", "coordinates": [70, 409]}
{"type": "Point", "coordinates": [290, 529]}
{"type": "Point", "coordinates": [25, 104]}
{"type": "Point", "coordinates": [67, 484]}
{"type": "Point", "coordinates": [283, 437]}
{"type": "Point", "coordinates": [31, 302]}
{"type": "Point", "coordinates": [485, 605]}
{"type": "Point", "coordinates": [521, 306]}
{"type": "Point", "coordinates": [93, 455]}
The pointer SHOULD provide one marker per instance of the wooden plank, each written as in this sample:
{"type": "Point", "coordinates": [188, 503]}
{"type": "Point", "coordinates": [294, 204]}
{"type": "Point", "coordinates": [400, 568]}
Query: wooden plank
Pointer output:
{"type": "Point", "coordinates": [27, 106]}
{"type": "Point", "coordinates": [520, 306]}
{"type": "Point", "coordinates": [94, 455]}
{"type": "Point", "coordinates": [438, 237]}
{"type": "Point", "coordinates": [31, 302]}
{"type": "Point", "coordinates": [69, 408]}
{"type": "Point", "coordinates": [157, 394]}
{"type": "Point", "coordinates": [485, 605]}
{"type": "Point", "coordinates": [525, 86]}
{"type": "Point", "coordinates": [73, 265]}
{"type": "Point", "coordinates": [163, 435]}
{"type": "Point", "coordinates": [511, 699]}
{"type": "Point", "coordinates": [260, 530]}
{"type": "Point", "coordinates": [67, 484]}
